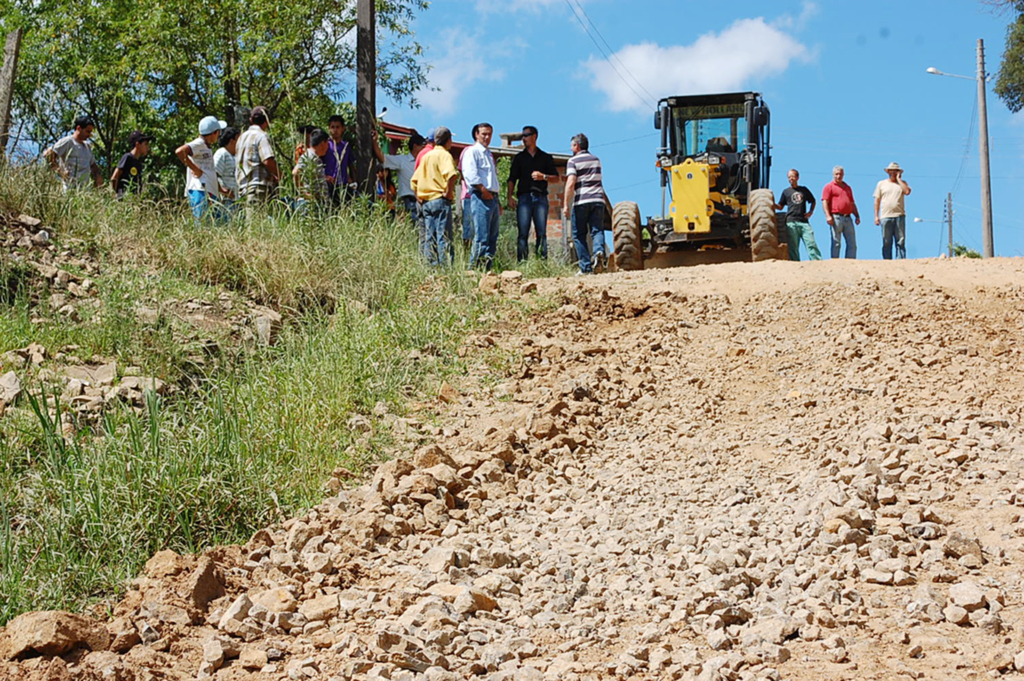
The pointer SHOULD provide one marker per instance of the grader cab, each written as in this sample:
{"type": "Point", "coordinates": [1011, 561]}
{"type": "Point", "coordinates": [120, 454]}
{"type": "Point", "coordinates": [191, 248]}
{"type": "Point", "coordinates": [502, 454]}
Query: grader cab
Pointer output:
{"type": "Point", "coordinates": [714, 163]}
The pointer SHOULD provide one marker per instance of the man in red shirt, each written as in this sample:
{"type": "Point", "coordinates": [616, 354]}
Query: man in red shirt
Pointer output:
{"type": "Point", "coordinates": [837, 199]}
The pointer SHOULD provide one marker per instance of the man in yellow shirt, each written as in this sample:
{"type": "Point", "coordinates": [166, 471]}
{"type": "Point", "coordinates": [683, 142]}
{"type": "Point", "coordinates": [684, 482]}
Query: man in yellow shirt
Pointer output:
{"type": "Point", "coordinates": [434, 185]}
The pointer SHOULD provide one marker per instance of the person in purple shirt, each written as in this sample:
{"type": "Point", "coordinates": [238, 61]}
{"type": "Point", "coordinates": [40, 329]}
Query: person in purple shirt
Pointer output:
{"type": "Point", "coordinates": [339, 164]}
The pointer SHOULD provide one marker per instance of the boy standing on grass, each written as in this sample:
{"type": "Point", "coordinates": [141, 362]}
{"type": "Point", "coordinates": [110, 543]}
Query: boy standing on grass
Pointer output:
{"type": "Point", "coordinates": [128, 174]}
{"type": "Point", "coordinates": [71, 156]}
{"type": "Point", "coordinates": [309, 173]}
{"type": "Point", "coordinates": [340, 162]}
{"type": "Point", "coordinates": [201, 185]}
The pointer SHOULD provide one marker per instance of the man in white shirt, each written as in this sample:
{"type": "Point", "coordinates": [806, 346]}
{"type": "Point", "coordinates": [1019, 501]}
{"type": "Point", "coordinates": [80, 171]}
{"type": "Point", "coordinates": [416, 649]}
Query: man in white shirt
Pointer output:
{"type": "Point", "coordinates": [890, 213]}
{"type": "Point", "coordinates": [71, 156]}
{"type": "Point", "coordinates": [481, 175]}
{"type": "Point", "coordinates": [404, 166]}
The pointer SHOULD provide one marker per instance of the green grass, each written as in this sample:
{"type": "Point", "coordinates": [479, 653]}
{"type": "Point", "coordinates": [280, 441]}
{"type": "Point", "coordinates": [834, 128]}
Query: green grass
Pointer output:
{"type": "Point", "coordinates": [249, 436]}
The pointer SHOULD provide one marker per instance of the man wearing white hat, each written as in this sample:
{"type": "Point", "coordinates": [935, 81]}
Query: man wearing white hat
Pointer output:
{"type": "Point", "coordinates": [890, 213]}
{"type": "Point", "coordinates": [201, 185]}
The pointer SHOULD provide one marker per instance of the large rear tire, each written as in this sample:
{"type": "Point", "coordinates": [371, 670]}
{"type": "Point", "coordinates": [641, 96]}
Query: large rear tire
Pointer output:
{"type": "Point", "coordinates": [764, 232]}
{"type": "Point", "coordinates": [626, 231]}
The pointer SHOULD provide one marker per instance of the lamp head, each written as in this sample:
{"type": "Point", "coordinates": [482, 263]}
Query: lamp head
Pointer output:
{"type": "Point", "coordinates": [934, 71]}
{"type": "Point", "coordinates": [918, 220]}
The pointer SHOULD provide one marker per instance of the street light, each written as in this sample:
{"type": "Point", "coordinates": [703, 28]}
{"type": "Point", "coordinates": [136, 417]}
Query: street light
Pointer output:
{"type": "Point", "coordinates": [988, 250]}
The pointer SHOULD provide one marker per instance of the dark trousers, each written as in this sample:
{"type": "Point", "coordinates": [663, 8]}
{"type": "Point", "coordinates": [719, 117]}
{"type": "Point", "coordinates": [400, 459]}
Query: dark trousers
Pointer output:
{"type": "Point", "coordinates": [532, 208]}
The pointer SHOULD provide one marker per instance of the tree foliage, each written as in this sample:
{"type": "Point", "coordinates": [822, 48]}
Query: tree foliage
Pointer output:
{"type": "Point", "coordinates": [1010, 80]}
{"type": "Point", "coordinates": [961, 251]}
{"type": "Point", "coordinates": [161, 65]}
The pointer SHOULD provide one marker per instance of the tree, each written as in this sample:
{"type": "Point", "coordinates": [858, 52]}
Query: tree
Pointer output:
{"type": "Point", "coordinates": [161, 65]}
{"type": "Point", "coordinates": [961, 251]}
{"type": "Point", "coordinates": [1010, 80]}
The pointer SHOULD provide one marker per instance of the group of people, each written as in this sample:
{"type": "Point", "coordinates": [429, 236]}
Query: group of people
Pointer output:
{"type": "Point", "coordinates": [435, 175]}
{"type": "Point", "coordinates": [243, 172]}
{"type": "Point", "coordinates": [841, 214]}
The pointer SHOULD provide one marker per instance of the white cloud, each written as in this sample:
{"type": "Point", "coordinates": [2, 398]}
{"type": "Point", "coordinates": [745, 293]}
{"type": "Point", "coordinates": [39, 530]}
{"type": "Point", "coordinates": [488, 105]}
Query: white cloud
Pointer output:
{"type": "Point", "coordinates": [459, 65]}
{"type": "Point", "coordinates": [745, 52]}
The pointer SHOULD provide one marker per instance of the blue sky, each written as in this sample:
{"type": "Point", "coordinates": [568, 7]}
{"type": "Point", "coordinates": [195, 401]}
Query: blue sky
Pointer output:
{"type": "Point", "coordinates": [846, 83]}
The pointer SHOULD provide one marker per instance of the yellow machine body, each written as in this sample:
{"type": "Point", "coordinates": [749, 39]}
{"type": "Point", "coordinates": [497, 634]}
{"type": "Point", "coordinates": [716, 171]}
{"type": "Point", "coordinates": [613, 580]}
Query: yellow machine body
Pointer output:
{"type": "Point", "coordinates": [694, 199]}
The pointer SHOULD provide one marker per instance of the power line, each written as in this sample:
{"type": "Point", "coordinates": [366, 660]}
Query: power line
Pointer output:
{"type": "Point", "coordinates": [967, 150]}
{"type": "Point", "coordinates": [614, 55]}
{"type": "Point", "coordinates": [607, 59]}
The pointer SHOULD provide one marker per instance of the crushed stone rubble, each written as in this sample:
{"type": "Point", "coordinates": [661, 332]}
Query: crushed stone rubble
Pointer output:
{"type": "Point", "coordinates": [668, 485]}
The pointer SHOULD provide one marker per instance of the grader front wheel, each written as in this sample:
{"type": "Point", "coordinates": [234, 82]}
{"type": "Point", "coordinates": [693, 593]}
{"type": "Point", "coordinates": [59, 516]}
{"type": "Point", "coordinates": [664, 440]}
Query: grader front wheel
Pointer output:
{"type": "Point", "coordinates": [626, 231]}
{"type": "Point", "coordinates": [764, 231]}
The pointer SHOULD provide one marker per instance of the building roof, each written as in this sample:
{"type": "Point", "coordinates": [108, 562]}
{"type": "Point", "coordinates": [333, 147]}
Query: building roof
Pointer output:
{"type": "Point", "coordinates": [507, 149]}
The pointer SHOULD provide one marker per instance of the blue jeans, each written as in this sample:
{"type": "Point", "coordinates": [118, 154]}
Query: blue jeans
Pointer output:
{"type": "Point", "coordinates": [411, 206]}
{"type": "Point", "coordinates": [588, 217]}
{"type": "Point", "coordinates": [894, 228]}
{"type": "Point", "coordinates": [199, 202]}
{"type": "Point", "coordinates": [485, 223]}
{"type": "Point", "coordinates": [533, 207]}
{"type": "Point", "coordinates": [842, 228]}
{"type": "Point", "coordinates": [437, 221]}
{"type": "Point", "coordinates": [467, 218]}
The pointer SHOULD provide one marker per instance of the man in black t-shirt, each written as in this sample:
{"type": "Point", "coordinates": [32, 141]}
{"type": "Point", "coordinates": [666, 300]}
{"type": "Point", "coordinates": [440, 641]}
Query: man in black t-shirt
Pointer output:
{"type": "Point", "coordinates": [128, 174]}
{"type": "Point", "coordinates": [794, 200]}
{"type": "Point", "coordinates": [532, 169]}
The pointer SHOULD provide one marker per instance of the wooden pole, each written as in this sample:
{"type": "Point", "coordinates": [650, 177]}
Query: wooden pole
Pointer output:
{"type": "Point", "coordinates": [366, 96]}
{"type": "Point", "coordinates": [949, 217]}
{"type": "Point", "coordinates": [10, 67]}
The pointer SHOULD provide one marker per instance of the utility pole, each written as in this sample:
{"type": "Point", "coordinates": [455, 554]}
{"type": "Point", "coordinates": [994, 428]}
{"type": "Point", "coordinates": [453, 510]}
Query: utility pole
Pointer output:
{"type": "Point", "coordinates": [988, 250]}
{"type": "Point", "coordinates": [366, 95]}
{"type": "Point", "coordinates": [949, 218]}
{"type": "Point", "coordinates": [10, 67]}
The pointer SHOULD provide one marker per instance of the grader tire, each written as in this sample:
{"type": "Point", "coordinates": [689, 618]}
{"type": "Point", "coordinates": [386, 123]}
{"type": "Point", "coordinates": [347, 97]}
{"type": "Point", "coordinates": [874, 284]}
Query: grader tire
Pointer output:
{"type": "Point", "coordinates": [626, 232]}
{"type": "Point", "coordinates": [764, 232]}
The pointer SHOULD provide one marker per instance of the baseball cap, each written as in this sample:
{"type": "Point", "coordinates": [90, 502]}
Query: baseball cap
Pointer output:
{"type": "Point", "coordinates": [136, 137]}
{"type": "Point", "coordinates": [210, 124]}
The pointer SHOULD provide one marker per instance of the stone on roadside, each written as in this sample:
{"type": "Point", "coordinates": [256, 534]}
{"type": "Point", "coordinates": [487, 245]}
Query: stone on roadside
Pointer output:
{"type": "Point", "coordinates": [968, 596]}
{"type": "Point", "coordinates": [276, 600]}
{"type": "Point", "coordinates": [123, 635]}
{"type": "Point", "coordinates": [489, 283]}
{"type": "Point", "coordinates": [439, 559]}
{"type": "Point", "coordinates": [447, 394]}
{"type": "Point", "coordinates": [10, 387]}
{"type": "Point", "coordinates": [959, 545]}
{"type": "Point", "coordinates": [472, 600]}
{"type": "Point", "coordinates": [321, 608]}
{"type": "Point", "coordinates": [50, 633]}
{"type": "Point", "coordinates": [253, 658]}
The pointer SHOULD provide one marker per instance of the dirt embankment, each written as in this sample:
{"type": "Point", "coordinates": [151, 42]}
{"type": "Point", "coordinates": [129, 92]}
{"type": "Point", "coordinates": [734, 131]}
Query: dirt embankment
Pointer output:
{"type": "Point", "coordinates": [797, 471]}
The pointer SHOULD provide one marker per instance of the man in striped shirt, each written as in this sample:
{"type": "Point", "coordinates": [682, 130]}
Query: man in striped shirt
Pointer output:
{"type": "Point", "coordinates": [584, 197]}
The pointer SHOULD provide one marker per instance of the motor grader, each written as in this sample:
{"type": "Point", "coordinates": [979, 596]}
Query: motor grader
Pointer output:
{"type": "Point", "coordinates": [714, 163]}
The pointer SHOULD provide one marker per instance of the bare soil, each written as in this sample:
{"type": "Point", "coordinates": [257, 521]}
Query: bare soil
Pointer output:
{"type": "Point", "coordinates": [782, 470]}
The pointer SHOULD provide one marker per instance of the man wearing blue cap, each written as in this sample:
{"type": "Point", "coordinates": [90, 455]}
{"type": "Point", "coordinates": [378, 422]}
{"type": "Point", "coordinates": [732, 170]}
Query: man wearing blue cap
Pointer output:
{"type": "Point", "coordinates": [201, 185]}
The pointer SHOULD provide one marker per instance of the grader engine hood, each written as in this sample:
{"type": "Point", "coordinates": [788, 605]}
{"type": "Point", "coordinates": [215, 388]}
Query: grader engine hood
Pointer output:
{"type": "Point", "coordinates": [692, 206]}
